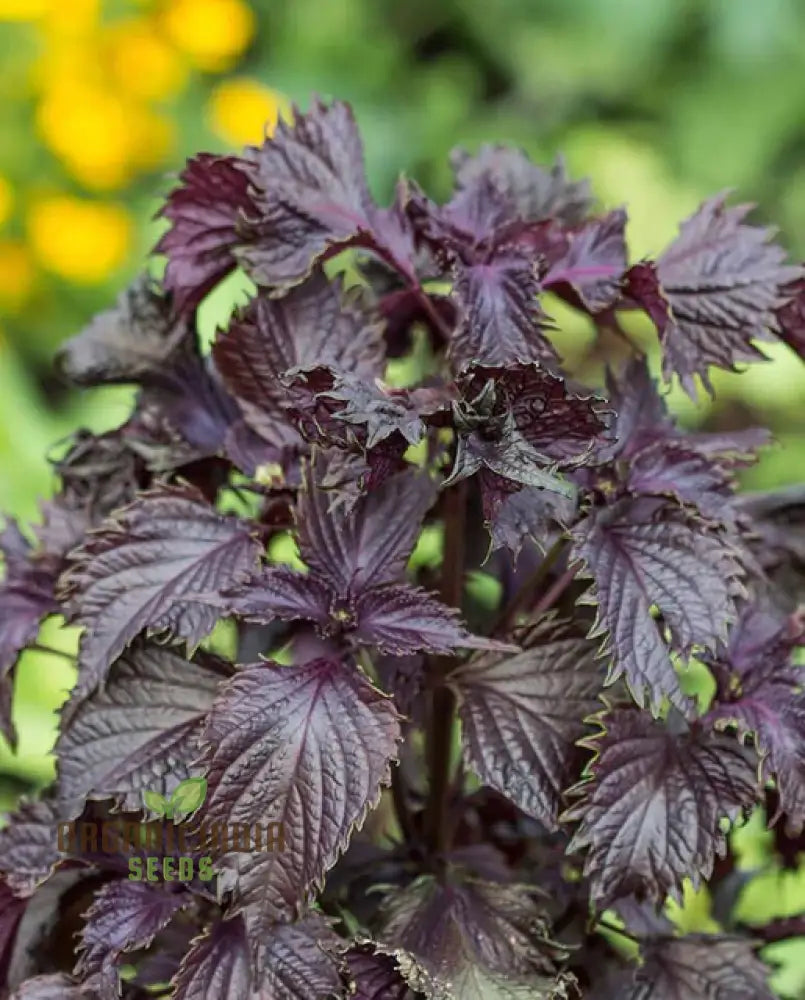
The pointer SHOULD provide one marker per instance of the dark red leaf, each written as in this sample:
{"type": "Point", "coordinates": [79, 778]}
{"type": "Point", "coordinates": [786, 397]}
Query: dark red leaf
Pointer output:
{"type": "Point", "coordinates": [700, 965]}
{"type": "Point", "coordinates": [130, 341]}
{"type": "Point", "coordinates": [124, 916]}
{"type": "Point", "coordinates": [593, 262]}
{"type": "Point", "coordinates": [534, 192]}
{"type": "Point", "coordinates": [759, 692]}
{"type": "Point", "coordinates": [522, 715]}
{"type": "Point", "coordinates": [644, 553]}
{"type": "Point", "coordinates": [141, 732]}
{"type": "Point", "coordinates": [311, 198]}
{"type": "Point", "coordinates": [723, 281]}
{"type": "Point", "coordinates": [144, 568]}
{"type": "Point", "coordinates": [206, 215]}
{"type": "Point", "coordinates": [293, 966]}
{"type": "Point", "coordinates": [500, 318]}
{"type": "Point", "coordinates": [308, 747]}
{"type": "Point", "coordinates": [472, 941]}
{"type": "Point", "coordinates": [652, 809]}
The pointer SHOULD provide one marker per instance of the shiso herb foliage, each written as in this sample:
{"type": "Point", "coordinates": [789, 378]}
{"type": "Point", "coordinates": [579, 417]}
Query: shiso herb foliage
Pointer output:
{"type": "Point", "coordinates": [521, 781]}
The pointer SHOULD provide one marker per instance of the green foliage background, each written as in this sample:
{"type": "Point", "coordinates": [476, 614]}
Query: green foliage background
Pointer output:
{"type": "Point", "coordinates": [660, 102]}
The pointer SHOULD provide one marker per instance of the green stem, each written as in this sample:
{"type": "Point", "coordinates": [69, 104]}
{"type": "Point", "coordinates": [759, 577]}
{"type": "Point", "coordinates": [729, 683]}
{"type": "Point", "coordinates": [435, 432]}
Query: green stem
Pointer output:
{"type": "Point", "coordinates": [442, 709]}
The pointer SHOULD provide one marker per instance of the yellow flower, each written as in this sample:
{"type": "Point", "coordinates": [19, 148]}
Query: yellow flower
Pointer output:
{"type": "Point", "coordinates": [242, 111]}
{"type": "Point", "coordinates": [23, 10]}
{"type": "Point", "coordinates": [212, 33]}
{"type": "Point", "coordinates": [71, 18]}
{"type": "Point", "coordinates": [141, 62]}
{"type": "Point", "coordinates": [16, 274]}
{"type": "Point", "coordinates": [79, 239]}
{"type": "Point", "coordinates": [89, 130]}
{"type": "Point", "coordinates": [102, 137]}
{"type": "Point", "coordinates": [6, 200]}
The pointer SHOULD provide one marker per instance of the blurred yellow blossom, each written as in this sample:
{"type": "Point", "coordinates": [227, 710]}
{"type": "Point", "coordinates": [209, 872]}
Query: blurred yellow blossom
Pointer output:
{"type": "Point", "coordinates": [89, 129]}
{"type": "Point", "coordinates": [16, 274]}
{"type": "Point", "coordinates": [242, 110]}
{"type": "Point", "coordinates": [6, 200]}
{"type": "Point", "coordinates": [79, 239]}
{"type": "Point", "coordinates": [212, 33]}
{"type": "Point", "coordinates": [141, 62]}
{"type": "Point", "coordinates": [71, 18]}
{"type": "Point", "coordinates": [22, 10]}
{"type": "Point", "coordinates": [102, 137]}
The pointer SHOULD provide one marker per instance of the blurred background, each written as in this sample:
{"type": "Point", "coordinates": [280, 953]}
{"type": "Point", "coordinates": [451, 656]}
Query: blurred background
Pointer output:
{"type": "Point", "coordinates": [660, 103]}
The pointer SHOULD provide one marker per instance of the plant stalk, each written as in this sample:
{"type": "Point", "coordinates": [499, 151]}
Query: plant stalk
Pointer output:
{"type": "Point", "coordinates": [508, 615]}
{"type": "Point", "coordinates": [442, 709]}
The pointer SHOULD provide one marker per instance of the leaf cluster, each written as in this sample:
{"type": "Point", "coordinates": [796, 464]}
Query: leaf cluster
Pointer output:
{"type": "Point", "coordinates": [591, 786]}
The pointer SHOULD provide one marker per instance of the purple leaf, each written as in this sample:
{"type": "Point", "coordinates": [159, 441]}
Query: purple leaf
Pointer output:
{"type": "Point", "coordinates": [141, 340]}
{"type": "Point", "coordinates": [98, 474]}
{"type": "Point", "coordinates": [522, 715]}
{"type": "Point", "coordinates": [534, 192]}
{"type": "Point", "coordinates": [759, 692]}
{"type": "Point", "coordinates": [124, 916]}
{"type": "Point", "coordinates": [777, 539]}
{"type": "Point", "coordinates": [641, 288]}
{"type": "Point", "coordinates": [469, 942]}
{"type": "Point", "coordinates": [594, 261]}
{"type": "Point", "coordinates": [723, 281]}
{"type": "Point", "coordinates": [353, 555]}
{"type": "Point", "coordinates": [375, 977]}
{"type": "Point", "coordinates": [310, 325]}
{"type": "Point", "coordinates": [128, 342]}
{"type": "Point", "coordinates": [700, 965]}
{"type": "Point", "coordinates": [311, 198]}
{"type": "Point", "coordinates": [672, 468]}
{"type": "Point", "coordinates": [29, 849]}
{"type": "Point", "coordinates": [403, 677]}
{"type": "Point", "coordinates": [143, 569]}
{"type": "Point", "coordinates": [381, 411]}
{"type": "Point", "coordinates": [651, 811]}
{"type": "Point", "coordinates": [294, 966]}
{"type": "Point", "coordinates": [649, 456]}
{"type": "Point", "coordinates": [298, 963]}
{"type": "Point", "coordinates": [513, 517]}
{"type": "Point", "coordinates": [791, 317]}
{"type": "Point", "coordinates": [401, 619]}
{"type": "Point", "coordinates": [369, 544]}
{"type": "Point", "coordinates": [12, 909]}
{"type": "Point", "coordinates": [467, 227]}
{"type": "Point", "coordinates": [642, 553]}
{"type": "Point", "coordinates": [558, 422]}
{"type": "Point", "coordinates": [206, 214]}
{"type": "Point", "coordinates": [217, 965]}
{"type": "Point", "coordinates": [277, 592]}
{"type": "Point", "coordinates": [141, 732]}
{"type": "Point", "coordinates": [640, 410]}
{"type": "Point", "coordinates": [26, 597]}
{"type": "Point", "coordinates": [500, 319]}
{"type": "Point", "coordinates": [308, 747]}
{"type": "Point", "coordinates": [514, 426]}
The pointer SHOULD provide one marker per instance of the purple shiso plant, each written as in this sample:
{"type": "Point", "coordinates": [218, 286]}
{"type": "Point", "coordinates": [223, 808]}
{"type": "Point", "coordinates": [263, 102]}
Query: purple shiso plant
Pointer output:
{"type": "Point", "coordinates": [465, 598]}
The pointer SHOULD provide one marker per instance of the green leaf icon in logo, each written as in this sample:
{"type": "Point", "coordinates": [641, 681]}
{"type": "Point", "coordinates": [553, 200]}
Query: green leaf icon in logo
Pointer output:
{"type": "Point", "coordinates": [187, 797]}
{"type": "Point", "coordinates": [156, 803]}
